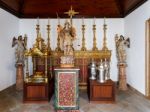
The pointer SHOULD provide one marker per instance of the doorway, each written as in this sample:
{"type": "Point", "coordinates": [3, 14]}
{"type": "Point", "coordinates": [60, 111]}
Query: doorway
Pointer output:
{"type": "Point", "coordinates": [147, 59]}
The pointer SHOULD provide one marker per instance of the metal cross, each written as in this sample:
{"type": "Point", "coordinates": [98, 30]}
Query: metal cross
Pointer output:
{"type": "Point", "coordinates": [71, 12]}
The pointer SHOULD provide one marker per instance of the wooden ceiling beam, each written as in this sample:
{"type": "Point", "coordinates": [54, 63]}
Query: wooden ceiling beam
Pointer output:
{"type": "Point", "coordinates": [21, 6]}
{"type": "Point", "coordinates": [87, 8]}
{"type": "Point", "coordinates": [8, 9]}
{"type": "Point", "coordinates": [120, 7]}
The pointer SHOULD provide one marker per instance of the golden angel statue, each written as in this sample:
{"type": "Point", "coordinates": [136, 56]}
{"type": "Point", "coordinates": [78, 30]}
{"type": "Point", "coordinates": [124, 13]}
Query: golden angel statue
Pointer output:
{"type": "Point", "coordinates": [21, 44]}
{"type": "Point", "coordinates": [121, 44]}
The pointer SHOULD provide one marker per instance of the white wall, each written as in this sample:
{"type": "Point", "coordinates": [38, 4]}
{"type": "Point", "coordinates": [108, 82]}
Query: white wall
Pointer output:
{"type": "Point", "coordinates": [135, 29]}
{"type": "Point", "coordinates": [9, 27]}
{"type": "Point", "coordinates": [27, 26]}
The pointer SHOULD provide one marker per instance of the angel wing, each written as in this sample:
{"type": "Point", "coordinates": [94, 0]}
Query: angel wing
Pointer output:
{"type": "Point", "coordinates": [14, 41]}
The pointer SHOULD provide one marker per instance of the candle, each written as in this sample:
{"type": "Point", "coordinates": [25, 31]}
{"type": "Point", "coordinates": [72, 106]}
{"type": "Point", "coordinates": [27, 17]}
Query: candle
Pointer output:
{"type": "Point", "coordinates": [83, 21]}
{"type": "Point", "coordinates": [94, 21]}
{"type": "Point", "coordinates": [104, 20]}
{"type": "Point", "coordinates": [38, 22]}
{"type": "Point", "coordinates": [58, 20]}
{"type": "Point", "coordinates": [48, 21]}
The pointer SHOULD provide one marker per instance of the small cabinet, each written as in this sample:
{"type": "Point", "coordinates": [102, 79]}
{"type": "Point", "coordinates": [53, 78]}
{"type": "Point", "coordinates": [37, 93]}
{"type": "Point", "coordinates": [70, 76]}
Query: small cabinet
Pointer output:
{"type": "Point", "coordinates": [101, 92]}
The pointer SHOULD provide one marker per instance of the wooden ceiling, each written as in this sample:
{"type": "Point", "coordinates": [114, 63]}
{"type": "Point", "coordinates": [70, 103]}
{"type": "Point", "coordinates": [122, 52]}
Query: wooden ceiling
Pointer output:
{"type": "Point", "coordinates": [86, 8]}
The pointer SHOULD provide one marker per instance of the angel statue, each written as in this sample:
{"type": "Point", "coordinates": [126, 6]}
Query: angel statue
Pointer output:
{"type": "Point", "coordinates": [121, 44]}
{"type": "Point", "coordinates": [20, 49]}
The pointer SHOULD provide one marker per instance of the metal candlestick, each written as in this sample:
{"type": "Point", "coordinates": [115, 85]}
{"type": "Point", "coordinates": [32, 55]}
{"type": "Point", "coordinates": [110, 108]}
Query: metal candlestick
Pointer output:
{"type": "Point", "coordinates": [83, 39]}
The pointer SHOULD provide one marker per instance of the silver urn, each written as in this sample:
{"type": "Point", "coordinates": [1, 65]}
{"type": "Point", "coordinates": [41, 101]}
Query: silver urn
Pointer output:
{"type": "Point", "coordinates": [101, 75]}
{"type": "Point", "coordinates": [92, 70]}
{"type": "Point", "coordinates": [106, 69]}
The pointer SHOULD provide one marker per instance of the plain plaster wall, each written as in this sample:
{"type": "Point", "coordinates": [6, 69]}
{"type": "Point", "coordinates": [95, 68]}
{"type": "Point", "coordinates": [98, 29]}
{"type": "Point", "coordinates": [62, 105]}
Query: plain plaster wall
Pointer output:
{"type": "Point", "coordinates": [135, 29]}
{"type": "Point", "coordinates": [9, 27]}
{"type": "Point", "coordinates": [28, 26]}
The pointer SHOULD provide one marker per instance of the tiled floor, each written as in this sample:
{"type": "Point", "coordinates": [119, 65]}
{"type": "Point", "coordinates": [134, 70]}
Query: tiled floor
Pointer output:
{"type": "Point", "coordinates": [129, 101]}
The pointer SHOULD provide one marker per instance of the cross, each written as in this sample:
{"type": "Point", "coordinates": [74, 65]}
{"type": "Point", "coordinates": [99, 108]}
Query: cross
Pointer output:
{"type": "Point", "coordinates": [71, 12]}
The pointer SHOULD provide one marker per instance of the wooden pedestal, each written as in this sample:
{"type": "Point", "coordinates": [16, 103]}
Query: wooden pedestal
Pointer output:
{"type": "Point", "coordinates": [66, 89]}
{"type": "Point", "coordinates": [38, 92]}
{"type": "Point", "coordinates": [101, 92]}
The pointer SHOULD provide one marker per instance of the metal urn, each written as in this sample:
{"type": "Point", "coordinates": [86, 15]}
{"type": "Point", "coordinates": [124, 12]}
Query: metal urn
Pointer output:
{"type": "Point", "coordinates": [101, 76]}
{"type": "Point", "coordinates": [92, 70]}
{"type": "Point", "coordinates": [106, 69]}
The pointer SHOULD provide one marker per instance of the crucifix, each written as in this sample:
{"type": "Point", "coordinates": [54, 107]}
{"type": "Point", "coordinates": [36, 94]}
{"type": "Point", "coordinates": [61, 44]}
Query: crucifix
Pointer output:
{"type": "Point", "coordinates": [71, 13]}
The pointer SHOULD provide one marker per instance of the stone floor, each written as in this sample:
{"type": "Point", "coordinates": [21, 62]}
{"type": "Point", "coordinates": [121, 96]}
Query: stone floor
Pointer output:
{"type": "Point", "coordinates": [129, 101]}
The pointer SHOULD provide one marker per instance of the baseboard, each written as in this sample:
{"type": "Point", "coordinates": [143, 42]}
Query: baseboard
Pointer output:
{"type": "Point", "coordinates": [131, 88]}
{"type": "Point", "coordinates": [10, 87]}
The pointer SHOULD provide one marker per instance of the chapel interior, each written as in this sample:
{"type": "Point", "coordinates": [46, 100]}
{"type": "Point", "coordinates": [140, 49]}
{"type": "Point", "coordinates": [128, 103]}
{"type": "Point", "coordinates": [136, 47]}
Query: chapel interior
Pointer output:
{"type": "Point", "coordinates": [75, 56]}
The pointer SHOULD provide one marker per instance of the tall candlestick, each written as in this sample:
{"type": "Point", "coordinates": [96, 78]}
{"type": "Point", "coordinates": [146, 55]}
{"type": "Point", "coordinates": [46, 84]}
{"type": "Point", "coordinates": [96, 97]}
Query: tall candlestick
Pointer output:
{"type": "Point", "coordinates": [83, 21]}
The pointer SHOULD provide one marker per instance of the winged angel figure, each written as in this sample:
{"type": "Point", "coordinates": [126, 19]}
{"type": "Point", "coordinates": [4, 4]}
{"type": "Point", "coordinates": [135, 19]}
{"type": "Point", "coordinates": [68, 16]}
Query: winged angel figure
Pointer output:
{"type": "Point", "coordinates": [21, 44]}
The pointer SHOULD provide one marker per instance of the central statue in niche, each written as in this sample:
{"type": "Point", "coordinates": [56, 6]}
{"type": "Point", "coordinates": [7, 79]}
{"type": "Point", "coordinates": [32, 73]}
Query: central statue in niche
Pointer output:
{"type": "Point", "coordinates": [67, 35]}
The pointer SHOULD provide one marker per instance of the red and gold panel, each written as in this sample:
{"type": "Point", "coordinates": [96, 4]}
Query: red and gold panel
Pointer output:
{"type": "Point", "coordinates": [66, 89]}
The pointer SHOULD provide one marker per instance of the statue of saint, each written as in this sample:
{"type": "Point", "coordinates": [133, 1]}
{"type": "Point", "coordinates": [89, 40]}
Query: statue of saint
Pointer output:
{"type": "Point", "coordinates": [21, 47]}
{"type": "Point", "coordinates": [67, 35]}
{"type": "Point", "coordinates": [121, 45]}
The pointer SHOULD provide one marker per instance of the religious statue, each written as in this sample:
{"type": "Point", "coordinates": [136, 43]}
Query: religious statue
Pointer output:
{"type": "Point", "coordinates": [67, 35]}
{"type": "Point", "coordinates": [121, 45]}
{"type": "Point", "coordinates": [21, 44]}
{"type": "Point", "coordinates": [20, 49]}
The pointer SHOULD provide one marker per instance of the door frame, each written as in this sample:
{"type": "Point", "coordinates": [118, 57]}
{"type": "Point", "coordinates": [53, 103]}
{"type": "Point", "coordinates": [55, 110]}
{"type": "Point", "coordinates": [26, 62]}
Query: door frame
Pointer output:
{"type": "Point", "coordinates": [147, 59]}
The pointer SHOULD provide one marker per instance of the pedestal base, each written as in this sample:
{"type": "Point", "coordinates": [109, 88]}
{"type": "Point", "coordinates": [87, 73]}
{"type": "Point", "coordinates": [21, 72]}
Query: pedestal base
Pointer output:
{"type": "Point", "coordinates": [67, 111]}
{"type": "Point", "coordinates": [122, 77]}
{"type": "Point", "coordinates": [67, 65]}
{"type": "Point", "coordinates": [66, 89]}
{"type": "Point", "coordinates": [19, 77]}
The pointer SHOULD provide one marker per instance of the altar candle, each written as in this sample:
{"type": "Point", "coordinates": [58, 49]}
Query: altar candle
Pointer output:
{"type": "Point", "coordinates": [83, 21]}
{"type": "Point", "coordinates": [104, 20]}
{"type": "Point", "coordinates": [94, 21]}
{"type": "Point", "coordinates": [58, 20]}
{"type": "Point", "coordinates": [48, 21]}
{"type": "Point", "coordinates": [38, 22]}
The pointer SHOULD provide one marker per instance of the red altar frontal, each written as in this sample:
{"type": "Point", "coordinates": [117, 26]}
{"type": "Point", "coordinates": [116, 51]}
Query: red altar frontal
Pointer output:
{"type": "Point", "coordinates": [66, 89]}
